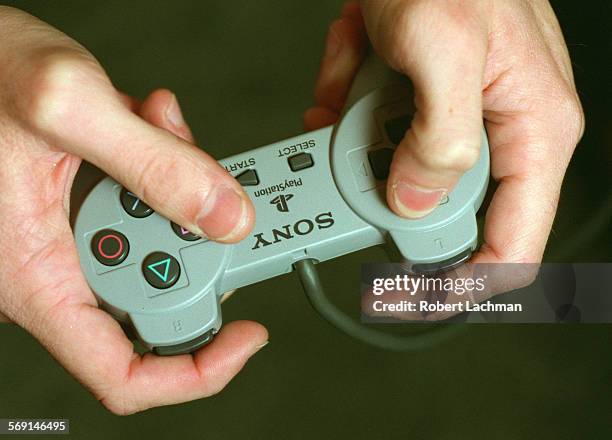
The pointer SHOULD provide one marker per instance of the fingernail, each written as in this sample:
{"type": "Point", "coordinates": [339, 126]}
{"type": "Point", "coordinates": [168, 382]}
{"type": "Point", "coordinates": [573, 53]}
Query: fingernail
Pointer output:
{"type": "Point", "coordinates": [260, 346]}
{"type": "Point", "coordinates": [173, 113]}
{"type": "Point", "coordinates": [227, 295]}
{"type": "Point", "coordinates": [350, 8]}
{"type": "Point", "coordinates": [332, 46]}
{"type": "Point", "coordinates": [224, 214]}
{"type": "Point", "coordinates": [415, 202]}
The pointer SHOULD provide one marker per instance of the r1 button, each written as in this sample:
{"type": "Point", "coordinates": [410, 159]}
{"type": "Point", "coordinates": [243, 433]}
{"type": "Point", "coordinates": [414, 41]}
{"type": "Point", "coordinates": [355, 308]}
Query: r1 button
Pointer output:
{"type": "Point", "coordinates": [110, 247]}
{"type": "Point", "coordinates": [161, 270]}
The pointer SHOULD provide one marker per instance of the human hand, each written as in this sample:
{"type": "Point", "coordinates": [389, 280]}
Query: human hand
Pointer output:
{"type": "Point", "coordinates": [501, 60]}
{"type": "Point", "coordinates": [57, 106]}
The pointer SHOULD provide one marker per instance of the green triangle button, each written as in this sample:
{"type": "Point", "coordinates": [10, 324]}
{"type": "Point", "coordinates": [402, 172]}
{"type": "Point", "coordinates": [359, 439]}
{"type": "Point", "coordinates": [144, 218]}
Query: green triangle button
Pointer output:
{"type": "Point", "coordinates": [153, 268]}
{"type": "Point", "coordinates": [161, 270]}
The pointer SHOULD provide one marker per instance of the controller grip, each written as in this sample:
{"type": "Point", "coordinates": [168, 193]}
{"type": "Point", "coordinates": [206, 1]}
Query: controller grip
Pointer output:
{"type": "Point", "coordinates": [435, 245]}
{"type": "Point", "coordinates": [180, 330]}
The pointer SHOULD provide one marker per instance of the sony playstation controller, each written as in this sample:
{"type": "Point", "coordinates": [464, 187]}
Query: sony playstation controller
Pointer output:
{"type": "Point", "coordinates": [317, 196]}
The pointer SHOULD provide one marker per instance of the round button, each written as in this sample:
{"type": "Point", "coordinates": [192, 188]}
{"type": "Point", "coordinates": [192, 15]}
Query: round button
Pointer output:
{"type": "Point", "coordinates": [161, 270]}
{"type": "Point", "coordinates": [110, 247]}
{"type": "Point", "coordinates": [183, 233]}
{"type": "Point", "coordinates": [133, 205]}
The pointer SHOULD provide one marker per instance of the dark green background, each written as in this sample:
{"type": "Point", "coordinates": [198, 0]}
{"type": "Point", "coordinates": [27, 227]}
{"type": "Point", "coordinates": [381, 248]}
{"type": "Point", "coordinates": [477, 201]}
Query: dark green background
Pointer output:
{"type": "Point", "coordinates": [243, 72]}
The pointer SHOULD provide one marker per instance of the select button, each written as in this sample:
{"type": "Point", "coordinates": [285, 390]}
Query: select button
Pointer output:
{"type": "Point", "coordinates": [300, 161]}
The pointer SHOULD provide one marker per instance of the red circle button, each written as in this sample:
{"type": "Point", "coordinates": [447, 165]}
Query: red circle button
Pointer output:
{"type": "Point", "coordinates": [110, 247]}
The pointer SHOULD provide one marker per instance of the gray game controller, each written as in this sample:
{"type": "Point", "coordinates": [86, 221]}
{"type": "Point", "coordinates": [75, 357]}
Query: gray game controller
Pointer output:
{"type": "Point", "coordinates": [317, 196]}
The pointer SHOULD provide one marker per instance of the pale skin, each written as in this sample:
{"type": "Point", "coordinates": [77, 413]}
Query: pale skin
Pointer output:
{"type": "Point", "coordinates": [501, 60]}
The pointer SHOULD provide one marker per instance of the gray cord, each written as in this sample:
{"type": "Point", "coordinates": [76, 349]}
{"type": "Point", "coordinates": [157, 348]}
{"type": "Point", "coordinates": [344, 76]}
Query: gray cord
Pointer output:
{"type": "Point", "coordinates": [331, 313]}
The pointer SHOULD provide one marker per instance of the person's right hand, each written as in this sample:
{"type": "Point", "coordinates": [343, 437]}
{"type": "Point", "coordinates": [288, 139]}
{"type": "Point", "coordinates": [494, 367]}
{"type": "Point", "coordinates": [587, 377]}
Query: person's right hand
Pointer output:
{"type": "Point", "coordinates": [57, 106]}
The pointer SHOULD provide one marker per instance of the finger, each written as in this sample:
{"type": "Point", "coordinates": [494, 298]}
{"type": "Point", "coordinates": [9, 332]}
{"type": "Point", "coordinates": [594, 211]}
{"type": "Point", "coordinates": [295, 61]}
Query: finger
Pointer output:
{"type": "Point", "coordinates": [319, 117]}
{"type": "Point", "coordinates": [533, 128]}
{"type": "Point", "coordinates": [175, 178]}
{"type": "Point", "coordinates": [345, 50]}
{"type": "Point", "coordinates": [227, 295]}
{"type": "Point", "coordinates": [444, 53]}
{"type": "Point", "coordinates": [4, 319]}
{"type": "Point", "coordinates": [205, 373]}
{"type": "Point", "coordinates": [133, 104]}
{"type": "Point", "coordinates": [93, 347]}
{"type": "Point", "coordinates": [162, 109]}
{"type": "Point", "coordinates": [529, 168]}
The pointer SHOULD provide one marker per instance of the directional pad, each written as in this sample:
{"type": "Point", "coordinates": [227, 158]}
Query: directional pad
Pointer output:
{"type": "Point", "coordinates": [380, 161]}
{"type": "Point", "coordinates": [396, 128]}
{"type": "Point", "coordinates": [161, 270]}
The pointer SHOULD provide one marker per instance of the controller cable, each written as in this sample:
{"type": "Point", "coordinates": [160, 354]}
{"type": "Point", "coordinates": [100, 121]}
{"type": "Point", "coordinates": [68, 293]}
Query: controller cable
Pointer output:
{"type": "Point", "coordinates": [332, 314]}
{"type": "Point", "coordinates": [318, 299]}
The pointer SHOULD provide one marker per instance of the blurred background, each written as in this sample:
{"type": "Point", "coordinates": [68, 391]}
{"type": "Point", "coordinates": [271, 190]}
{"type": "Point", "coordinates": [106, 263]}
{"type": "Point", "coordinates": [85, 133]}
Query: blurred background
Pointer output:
{"type": "Point", "coordinates": [243, 72]}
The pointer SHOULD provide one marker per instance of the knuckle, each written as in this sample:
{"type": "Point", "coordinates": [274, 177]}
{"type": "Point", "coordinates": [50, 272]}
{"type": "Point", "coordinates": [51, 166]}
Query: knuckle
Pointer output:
{"type": "Point", "coordinates": [407, 25]}
{"type": "Point", "coordinates": [152, 169]}
{"type": "Point", "coordinates": [396, 39]}
{"type": "Point", "coordinates": [55, 78]}
{"type": "Point", "coordinates": [213, 383]}
{"type": "Point", "coordinates": [117, 405]}
{"type": "Point", "coordinates": [52, 80]}
{"type": "Point", "coordinates": [572, 116]}
{"type": "Point", "coordinates": [558, 128]}
{"type": "Point", "coordinates": [157, 177]}
{"type": "Point", "coordinates": [116, 398]}
{"type": "Point", "coordinates": [350, 34]}
{"type": "Point", "coordinates": [527, 276]}
{"type": "Point", "coordinates": [215, 388]}
{"type": "Point", "coordinates": [454, 156]}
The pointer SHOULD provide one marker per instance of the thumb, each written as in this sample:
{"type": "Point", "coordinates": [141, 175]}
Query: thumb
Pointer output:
{"type": "Point", "coordinates": [174, 177]}
{"type": "Point", "coordinates": [443, 142]}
